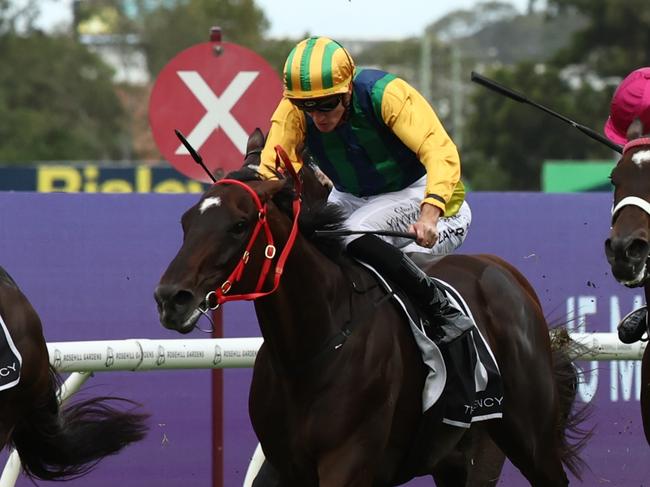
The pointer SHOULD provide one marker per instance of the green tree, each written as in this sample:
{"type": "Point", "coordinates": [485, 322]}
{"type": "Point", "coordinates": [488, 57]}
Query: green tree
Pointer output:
{"type": "Point", "coordinates": [166, 27]}
{"type": "Point", "coordinates": [275, 51]}
{"type": "Point", "coordinates": [57, 101]}
{"type": "Point", "coordinates": [167, 30]}
{"type": "Point", "coordinates": [398, 57]}
{"type": "Point", "coordinates": [510, 141]}
{"type": "Point", "coordinates": [15, 15]}
{"type": "Point", "coordinates": [616, 39]}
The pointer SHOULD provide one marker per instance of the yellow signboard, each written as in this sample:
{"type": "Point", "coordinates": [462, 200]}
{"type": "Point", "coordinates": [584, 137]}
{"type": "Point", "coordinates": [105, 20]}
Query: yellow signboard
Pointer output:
{"type": "Point", "coordinates": [95, 179]}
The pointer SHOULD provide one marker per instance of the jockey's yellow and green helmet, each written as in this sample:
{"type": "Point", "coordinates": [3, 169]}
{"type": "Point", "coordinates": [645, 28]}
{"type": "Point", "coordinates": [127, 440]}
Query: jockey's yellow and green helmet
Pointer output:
{"type": "Point", "coordinates": [317, 67]}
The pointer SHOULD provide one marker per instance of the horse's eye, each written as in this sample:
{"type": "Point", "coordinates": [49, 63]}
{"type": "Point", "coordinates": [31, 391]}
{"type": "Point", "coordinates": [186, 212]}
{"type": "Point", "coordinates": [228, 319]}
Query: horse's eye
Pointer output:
{"type": "Point", "coordinates": [239, 227]}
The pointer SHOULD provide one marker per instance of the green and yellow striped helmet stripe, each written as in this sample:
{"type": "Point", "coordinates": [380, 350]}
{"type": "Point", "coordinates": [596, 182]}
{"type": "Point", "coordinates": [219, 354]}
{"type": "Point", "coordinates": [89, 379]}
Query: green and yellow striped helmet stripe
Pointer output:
{"type": "Point", "coordinates": [317, 67]}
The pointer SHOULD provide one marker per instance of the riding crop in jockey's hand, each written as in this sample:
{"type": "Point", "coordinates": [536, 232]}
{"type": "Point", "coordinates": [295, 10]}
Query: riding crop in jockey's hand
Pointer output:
{"type": "Point", "coordinates": [345, 233]}
{"type": "Point", "coordinates": [502, 90]}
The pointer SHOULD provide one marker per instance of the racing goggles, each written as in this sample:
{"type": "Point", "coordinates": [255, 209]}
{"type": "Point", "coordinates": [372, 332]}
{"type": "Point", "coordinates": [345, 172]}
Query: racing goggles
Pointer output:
{"type": "Point", "coordinates": [317, 104]}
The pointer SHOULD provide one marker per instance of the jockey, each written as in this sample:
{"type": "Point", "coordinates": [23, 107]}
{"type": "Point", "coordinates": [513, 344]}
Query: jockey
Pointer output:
{"type": "Point", "coordinates": [631, 100]}
{"type": "Point", "coordinates": [391, 162]}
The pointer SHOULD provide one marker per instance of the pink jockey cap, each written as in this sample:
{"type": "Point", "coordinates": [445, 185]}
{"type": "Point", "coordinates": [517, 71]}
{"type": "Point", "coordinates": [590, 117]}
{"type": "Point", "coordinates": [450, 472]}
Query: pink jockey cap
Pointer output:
{"type": "Point", "coordinates": [631, 100]}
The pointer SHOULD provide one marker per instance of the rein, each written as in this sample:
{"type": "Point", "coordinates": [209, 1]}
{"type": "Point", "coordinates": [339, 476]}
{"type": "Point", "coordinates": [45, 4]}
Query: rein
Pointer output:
{"type": "Point", "coordinates": [633, 200]}
{"type": "Point", "coordinates": [220, 294]}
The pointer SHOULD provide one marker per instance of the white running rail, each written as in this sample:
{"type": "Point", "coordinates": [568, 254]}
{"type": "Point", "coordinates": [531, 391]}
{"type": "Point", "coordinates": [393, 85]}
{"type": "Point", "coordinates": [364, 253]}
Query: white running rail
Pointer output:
{"type": "Point", "coordinates": [146, 354]}
{"type": "Point", "coordinates": [140, 354]}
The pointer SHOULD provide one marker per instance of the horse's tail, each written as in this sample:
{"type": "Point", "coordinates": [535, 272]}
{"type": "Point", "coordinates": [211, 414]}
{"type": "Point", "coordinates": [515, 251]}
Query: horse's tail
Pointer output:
{"type": "Point", "coordinates": [573, 436]}
{"type": "Point", "coordinates": [62, 443]}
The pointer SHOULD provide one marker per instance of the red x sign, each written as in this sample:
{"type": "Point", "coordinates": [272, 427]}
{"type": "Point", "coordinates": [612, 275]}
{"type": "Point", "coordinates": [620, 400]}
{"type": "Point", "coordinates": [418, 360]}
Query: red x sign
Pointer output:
{"type": "Point", "coordinates": [215, 101]}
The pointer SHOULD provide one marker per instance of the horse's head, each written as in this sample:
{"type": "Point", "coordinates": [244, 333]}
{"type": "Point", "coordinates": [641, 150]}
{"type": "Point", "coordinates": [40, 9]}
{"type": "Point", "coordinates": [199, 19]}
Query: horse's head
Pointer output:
{"type": "Point", "coordinates": [628, 244]}
{"type": "Point", "coordinates": [216, 234]}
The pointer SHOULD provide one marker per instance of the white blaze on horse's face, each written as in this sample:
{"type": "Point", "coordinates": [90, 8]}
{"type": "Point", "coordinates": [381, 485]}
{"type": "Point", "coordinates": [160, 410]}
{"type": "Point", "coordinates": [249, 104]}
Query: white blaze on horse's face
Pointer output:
{"type": "Point", "coordinates": [641, 157]}
{"type": "Point", "coordinates": [209, 203]}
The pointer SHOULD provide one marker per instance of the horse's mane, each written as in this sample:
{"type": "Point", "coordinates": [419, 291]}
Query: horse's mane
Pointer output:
{"type": "Point", "coordinates": [316, 216]}
{"type": "Point", "coordinates": [6, 278]}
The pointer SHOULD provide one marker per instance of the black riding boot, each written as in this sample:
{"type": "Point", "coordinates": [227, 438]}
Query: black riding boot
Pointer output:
{"type": "Point", "coordinates": [448, 323]}
{"type": "Point", "coordinates": [633, 326]}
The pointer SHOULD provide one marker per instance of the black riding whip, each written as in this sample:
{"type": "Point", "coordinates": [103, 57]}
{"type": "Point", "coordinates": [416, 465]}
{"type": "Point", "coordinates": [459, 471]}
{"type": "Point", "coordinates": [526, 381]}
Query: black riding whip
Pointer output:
{"type": "Point", "coordinates": [502, 90]}
{"type": "Point", "coordinates": [345, 233]}
{"type": "Point", "coordinates": [195, 155]}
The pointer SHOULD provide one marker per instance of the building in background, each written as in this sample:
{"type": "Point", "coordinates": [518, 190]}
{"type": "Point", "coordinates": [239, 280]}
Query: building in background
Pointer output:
{"type": "Point", "coordinates": [104, 27]}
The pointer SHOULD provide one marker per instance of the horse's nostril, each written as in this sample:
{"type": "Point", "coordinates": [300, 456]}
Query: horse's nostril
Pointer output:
{"type": "Point", "coordinates": [637, 249]}
{"type": "Point", "coordinates": [183, 297]}
{"type": "Point", "coordinates": [172, 295]}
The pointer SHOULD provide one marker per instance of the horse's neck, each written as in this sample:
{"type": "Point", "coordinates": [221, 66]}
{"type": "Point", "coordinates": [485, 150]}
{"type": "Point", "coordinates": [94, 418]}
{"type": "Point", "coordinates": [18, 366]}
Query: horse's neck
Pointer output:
{"type": "Point", "coordinates": [308, 308]}
{"type": "Point", "coordinates": [6, 278]}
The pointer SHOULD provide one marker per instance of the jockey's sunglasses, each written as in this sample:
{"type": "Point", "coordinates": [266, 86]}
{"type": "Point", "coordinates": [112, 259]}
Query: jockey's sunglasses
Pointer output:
{"type": "Point", "coordinates": [319, 104]}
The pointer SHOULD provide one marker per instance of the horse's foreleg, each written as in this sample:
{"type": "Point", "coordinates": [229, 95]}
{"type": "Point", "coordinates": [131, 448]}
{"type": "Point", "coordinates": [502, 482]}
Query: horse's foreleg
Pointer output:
{"type": "Point", "coordinates": [356, 463]}
{"type": "Point", "coordinates": [349, 467]}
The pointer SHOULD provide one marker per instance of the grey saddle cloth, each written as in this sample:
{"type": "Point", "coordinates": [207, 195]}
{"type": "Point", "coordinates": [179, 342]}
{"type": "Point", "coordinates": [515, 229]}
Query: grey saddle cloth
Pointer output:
{"type": "Point", "coordinates": [464, 373]}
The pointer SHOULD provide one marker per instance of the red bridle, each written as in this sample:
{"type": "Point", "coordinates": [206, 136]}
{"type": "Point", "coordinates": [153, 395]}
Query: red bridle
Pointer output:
{"type": "Point", "coordinates": [269, 251]}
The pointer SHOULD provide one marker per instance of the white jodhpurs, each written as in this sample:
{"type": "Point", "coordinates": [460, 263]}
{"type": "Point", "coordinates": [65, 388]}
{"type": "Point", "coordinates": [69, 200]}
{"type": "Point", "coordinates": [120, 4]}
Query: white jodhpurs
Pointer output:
{"type": "Point", "coordinates": [396, 211]}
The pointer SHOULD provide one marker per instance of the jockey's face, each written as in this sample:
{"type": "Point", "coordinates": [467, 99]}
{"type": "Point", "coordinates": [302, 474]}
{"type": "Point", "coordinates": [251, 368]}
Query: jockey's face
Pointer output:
{"type": "Point", "coordinates": [328, 121]}
{"type": "Point", "coordinates": [332, 113]}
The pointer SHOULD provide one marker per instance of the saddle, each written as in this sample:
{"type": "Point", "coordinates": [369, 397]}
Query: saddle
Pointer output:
{"type": "Point", "coordinates": [464, 373]}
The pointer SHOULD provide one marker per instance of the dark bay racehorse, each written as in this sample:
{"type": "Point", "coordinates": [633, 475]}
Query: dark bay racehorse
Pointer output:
{"type": "Point", "coordinates": [628, 245]}
{"type": "Point", "coordinates": [336, 393]}
{"type": "Point", "coordinates": [53, 443]}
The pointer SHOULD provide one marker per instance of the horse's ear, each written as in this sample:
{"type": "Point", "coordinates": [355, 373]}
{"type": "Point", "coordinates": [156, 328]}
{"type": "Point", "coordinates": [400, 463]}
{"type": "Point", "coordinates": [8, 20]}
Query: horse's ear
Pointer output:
{"type": "Point", "coordinates": [267, 189]}
{"type": "Point", "coordinates": [255, 140]}
{"type": "Point", "coordinates": [635, 130]}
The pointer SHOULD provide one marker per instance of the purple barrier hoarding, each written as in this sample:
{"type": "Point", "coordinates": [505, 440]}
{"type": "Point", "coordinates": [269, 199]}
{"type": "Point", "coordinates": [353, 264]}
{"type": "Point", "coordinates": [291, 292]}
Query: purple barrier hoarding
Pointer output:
{"type": "Point", "coordinates": [89, 264]}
